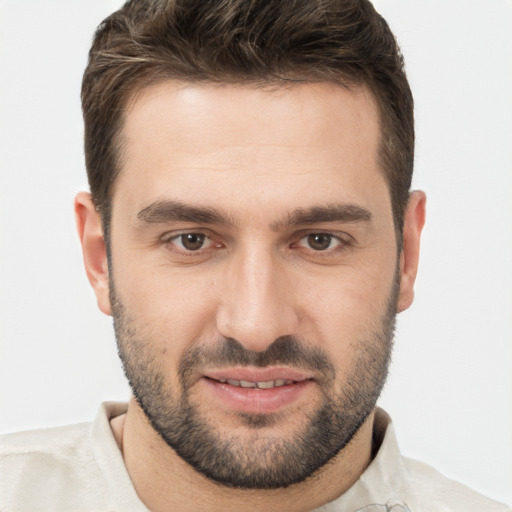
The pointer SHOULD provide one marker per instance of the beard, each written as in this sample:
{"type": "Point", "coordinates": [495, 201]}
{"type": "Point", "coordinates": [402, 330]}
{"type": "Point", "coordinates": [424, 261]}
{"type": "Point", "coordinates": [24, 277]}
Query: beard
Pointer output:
{"type": "Point", "coordinates": [262, 459]}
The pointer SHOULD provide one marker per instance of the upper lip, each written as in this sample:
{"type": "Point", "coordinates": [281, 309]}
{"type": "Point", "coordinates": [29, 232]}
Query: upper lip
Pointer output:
{"type": "Point", "coordinates": [259, 374]}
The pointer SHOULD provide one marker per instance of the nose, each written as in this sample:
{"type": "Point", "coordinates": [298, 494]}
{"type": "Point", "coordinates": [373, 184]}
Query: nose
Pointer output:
{"type": "Point", "coordinates": [256, 305]}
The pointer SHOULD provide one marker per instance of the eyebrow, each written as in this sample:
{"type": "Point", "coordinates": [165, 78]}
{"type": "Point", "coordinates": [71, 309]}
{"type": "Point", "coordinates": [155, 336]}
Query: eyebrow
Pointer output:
{"type": "Point", "coordinates": [345, 212]}
{"type": "Point", "coordinates": [164, 211]}
{"type": "Point", "coordinates": [161, 212]}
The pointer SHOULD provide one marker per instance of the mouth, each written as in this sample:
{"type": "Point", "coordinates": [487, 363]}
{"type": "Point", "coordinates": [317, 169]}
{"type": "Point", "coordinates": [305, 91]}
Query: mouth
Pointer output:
{"type": "Point", "coordinates": [268, 384]}
{"type": "Point", "coordinates": [258, 391]}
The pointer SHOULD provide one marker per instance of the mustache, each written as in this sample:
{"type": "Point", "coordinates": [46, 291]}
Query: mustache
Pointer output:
{"type": "Point", "coordinates": [285, 350]}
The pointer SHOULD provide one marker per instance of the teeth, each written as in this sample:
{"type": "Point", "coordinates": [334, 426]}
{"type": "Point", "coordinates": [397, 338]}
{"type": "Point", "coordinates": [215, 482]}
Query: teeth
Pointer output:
{"type": "Point", "coordinates": [269, 384]}
{"type": "Point", "coordinates": [266, 385]}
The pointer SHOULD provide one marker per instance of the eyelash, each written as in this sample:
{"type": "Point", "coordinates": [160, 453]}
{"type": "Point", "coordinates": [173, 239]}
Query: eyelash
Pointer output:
{"type": "Point", "coordinates": [343, 242]}
{"type": "Point", "coordinates": [168, 240]}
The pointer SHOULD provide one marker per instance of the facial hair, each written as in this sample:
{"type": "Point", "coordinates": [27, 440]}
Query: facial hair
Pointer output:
{"type": "Point", "coordinates": [262, 460]}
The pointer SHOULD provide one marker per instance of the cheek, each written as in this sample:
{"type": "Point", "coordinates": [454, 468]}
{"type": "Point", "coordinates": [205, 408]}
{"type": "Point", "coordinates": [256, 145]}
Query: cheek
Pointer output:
{"type": "Point", "coordinates": [346, 310]}
{"type": "Point", "coordinates": [350, 295]}
{"type": "Point", "coordinates": [171, 310]}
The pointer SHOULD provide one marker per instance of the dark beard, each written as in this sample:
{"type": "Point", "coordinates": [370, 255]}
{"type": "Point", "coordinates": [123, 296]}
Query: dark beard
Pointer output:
{"type": "Point", "coordinates": [266, 461]}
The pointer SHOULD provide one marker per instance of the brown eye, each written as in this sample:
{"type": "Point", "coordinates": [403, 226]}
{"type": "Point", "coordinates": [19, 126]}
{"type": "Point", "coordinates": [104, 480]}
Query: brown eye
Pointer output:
{"type": "Point", "coordinates": [319, 241]}
{"type": "Point", "coordinates": [191, 241]}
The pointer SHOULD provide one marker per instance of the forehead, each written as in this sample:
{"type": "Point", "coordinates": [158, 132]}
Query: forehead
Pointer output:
{"type": "Point", "coordinates": [210, 143]}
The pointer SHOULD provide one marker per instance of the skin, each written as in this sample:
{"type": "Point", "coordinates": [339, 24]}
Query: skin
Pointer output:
{"type": "Point", "coordinates": [257, 154]}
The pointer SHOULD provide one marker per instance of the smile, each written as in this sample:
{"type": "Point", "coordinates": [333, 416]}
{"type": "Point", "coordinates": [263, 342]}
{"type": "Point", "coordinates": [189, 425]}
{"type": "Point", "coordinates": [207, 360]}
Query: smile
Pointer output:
{"type": "Point", "coordinates": [258, 390]}
{"type": "Point", "coordinates": [269, 384]}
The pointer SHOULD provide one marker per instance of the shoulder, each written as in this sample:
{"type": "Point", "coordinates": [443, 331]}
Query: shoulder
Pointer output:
{"type": "Point", "coordinates": [431, 490]}
{"type": "Point", "coordinates": [60, 449]}
{"type": "Point", "coordinates": [52, 442]}
{"type": "Point", "coordinates": [52, 449]}
{"type": "Point", "coordinates": [41, 469]}
{"type": "Point", "coordinates": [77, 467]}
{"type": "Point", "coordinates": [399, 483]}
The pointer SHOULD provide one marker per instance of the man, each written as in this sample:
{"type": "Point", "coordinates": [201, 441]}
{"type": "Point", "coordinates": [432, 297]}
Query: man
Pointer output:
{"type": "Point", "coordinates": [251, 230]}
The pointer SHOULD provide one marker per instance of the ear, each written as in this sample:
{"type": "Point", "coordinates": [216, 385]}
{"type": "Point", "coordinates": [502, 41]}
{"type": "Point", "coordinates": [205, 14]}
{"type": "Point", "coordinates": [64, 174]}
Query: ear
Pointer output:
{"type": "Point", "coordinates": [413, 224]}
{"type": "Point", "coordinates": [88, 222]}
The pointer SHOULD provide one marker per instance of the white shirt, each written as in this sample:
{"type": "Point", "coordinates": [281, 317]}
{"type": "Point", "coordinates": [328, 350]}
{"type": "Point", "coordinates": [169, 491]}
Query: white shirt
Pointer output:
{"type": "Point", "coordinates": [79, 468]}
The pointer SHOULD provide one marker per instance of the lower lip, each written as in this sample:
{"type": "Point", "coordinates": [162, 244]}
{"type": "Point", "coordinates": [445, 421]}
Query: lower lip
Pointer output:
{"type": "Point", "coordinates": [257, 401]}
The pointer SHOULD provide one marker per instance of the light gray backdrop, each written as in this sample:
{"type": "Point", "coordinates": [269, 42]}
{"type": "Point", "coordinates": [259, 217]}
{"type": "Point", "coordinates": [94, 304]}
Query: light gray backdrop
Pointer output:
{"type": "Point", "coordinates": [450, 389]}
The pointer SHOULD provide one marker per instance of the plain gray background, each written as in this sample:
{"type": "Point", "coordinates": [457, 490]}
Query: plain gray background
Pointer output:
{"type": "Point", "coordinates": [450, 388]}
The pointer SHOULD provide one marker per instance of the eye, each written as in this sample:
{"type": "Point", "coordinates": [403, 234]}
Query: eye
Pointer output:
{"type": "Point", "coordinates": [320, 241]}
{"type": "Point", "coordinates": [191, 241]}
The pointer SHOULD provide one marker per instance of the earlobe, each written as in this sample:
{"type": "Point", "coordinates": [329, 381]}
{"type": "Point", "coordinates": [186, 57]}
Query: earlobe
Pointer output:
{"type": "Point", "coordinates": [413, 224]}
{"type": "Point", "coordinates": [88, 222]}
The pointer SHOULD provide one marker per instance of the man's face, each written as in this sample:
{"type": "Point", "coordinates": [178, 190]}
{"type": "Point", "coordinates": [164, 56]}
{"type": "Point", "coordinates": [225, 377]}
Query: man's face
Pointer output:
{"type": "Point", "coordinates": [253, 273]}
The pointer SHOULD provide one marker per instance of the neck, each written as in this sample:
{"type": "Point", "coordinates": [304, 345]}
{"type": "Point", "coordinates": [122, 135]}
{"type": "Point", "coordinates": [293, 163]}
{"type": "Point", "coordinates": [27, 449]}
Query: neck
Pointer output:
{"type": "Point", "coordinates": [164, 481]}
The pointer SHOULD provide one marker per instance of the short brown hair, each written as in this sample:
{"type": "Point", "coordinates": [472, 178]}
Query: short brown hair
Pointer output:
{"type": "Point", "coordinates": [250, 42]}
